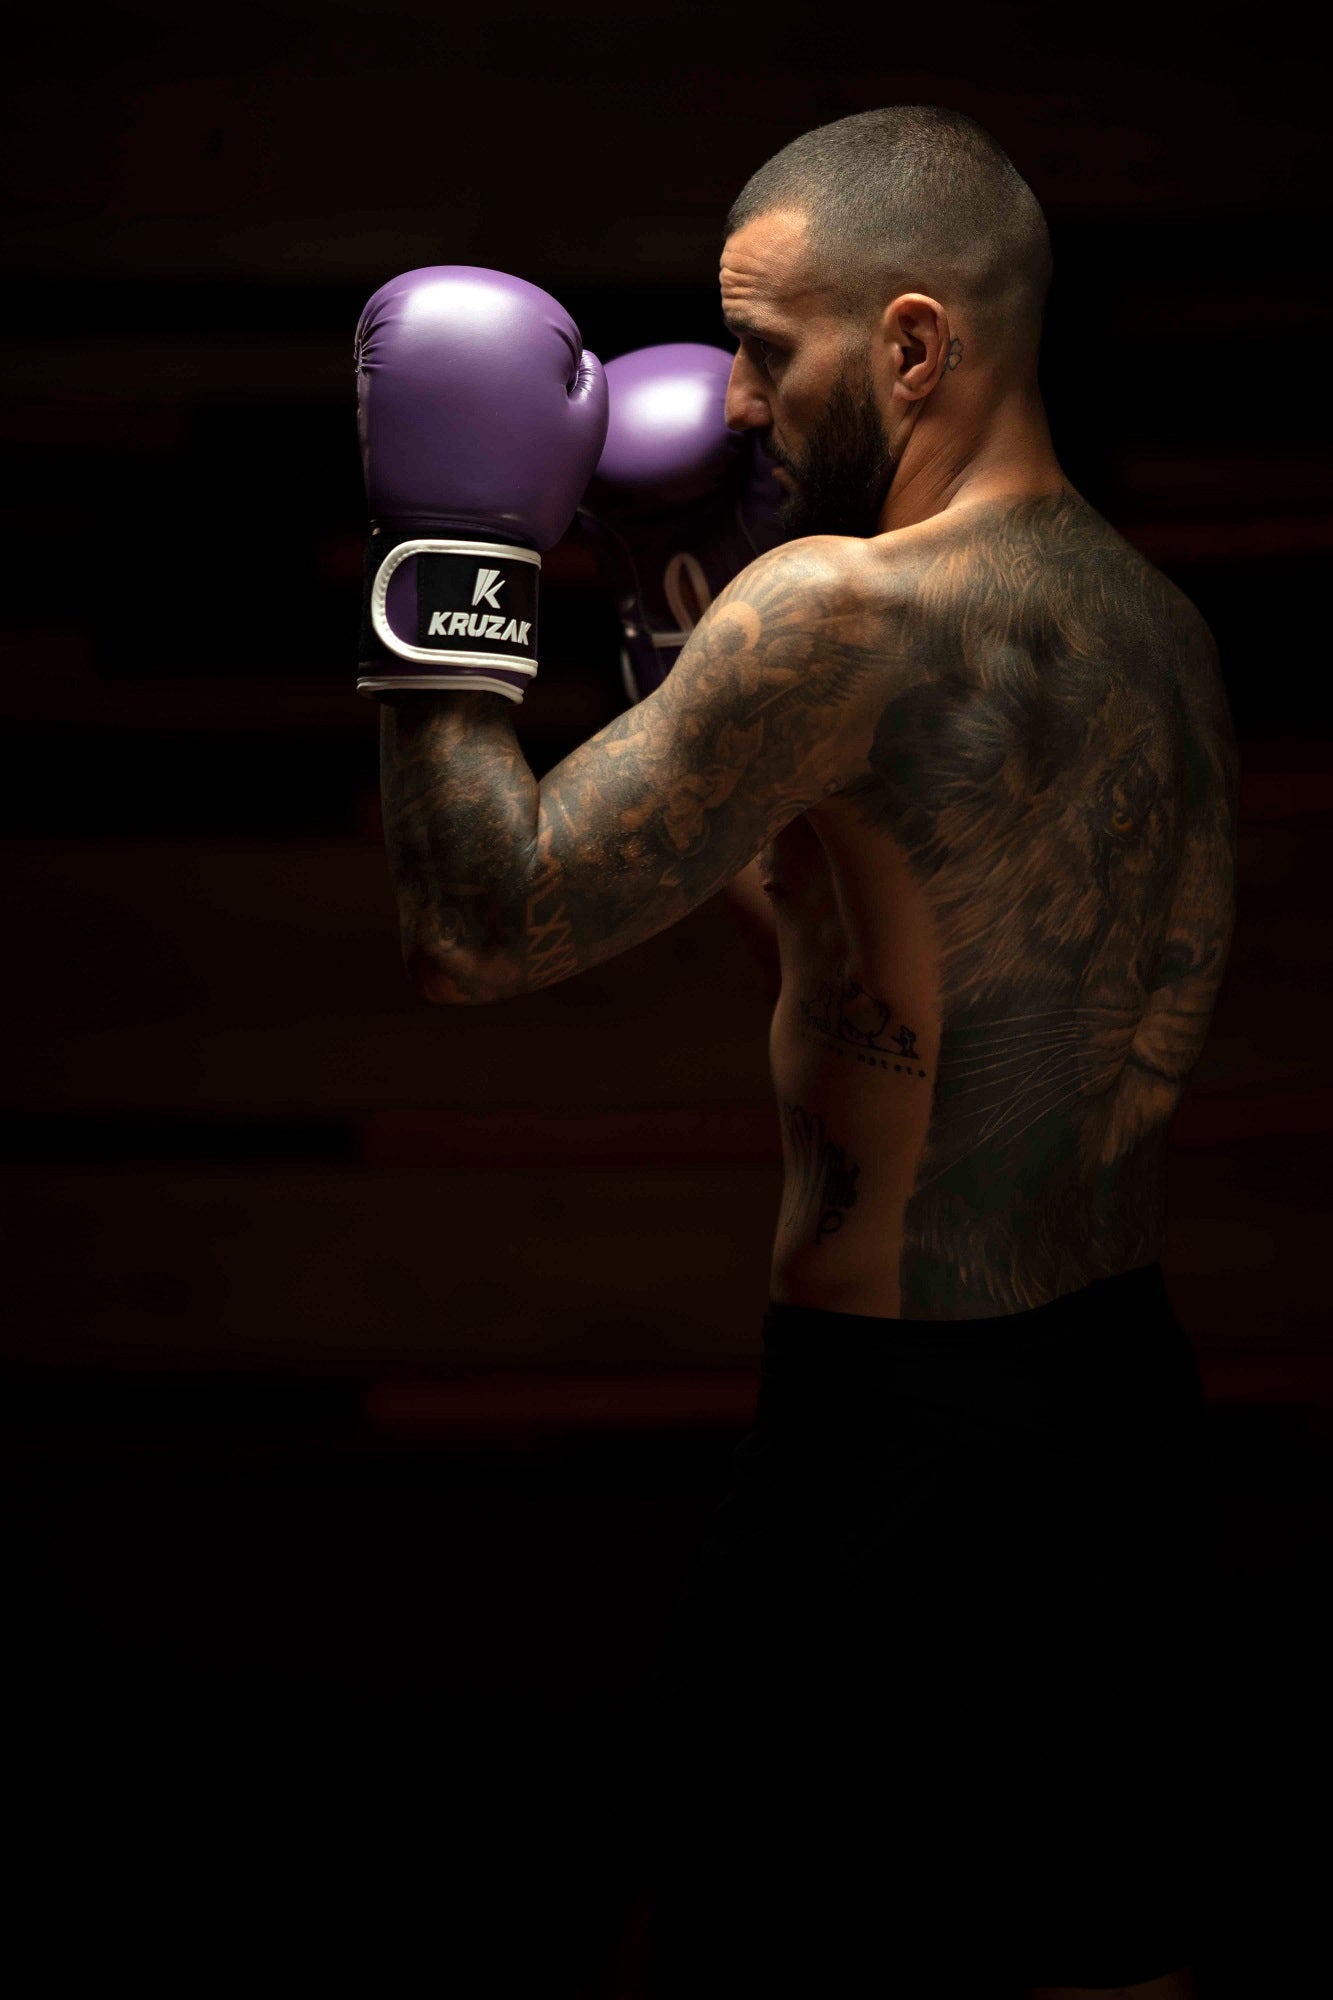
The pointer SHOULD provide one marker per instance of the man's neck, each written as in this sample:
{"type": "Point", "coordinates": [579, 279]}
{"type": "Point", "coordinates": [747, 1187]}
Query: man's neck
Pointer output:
{"type": "Point", "coordinates": [1005, 450]}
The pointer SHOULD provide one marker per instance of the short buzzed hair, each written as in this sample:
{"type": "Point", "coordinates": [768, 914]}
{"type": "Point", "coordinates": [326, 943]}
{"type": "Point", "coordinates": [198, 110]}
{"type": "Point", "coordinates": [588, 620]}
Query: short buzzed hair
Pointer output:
{"type": "Point", "coordinates": [914, 198]}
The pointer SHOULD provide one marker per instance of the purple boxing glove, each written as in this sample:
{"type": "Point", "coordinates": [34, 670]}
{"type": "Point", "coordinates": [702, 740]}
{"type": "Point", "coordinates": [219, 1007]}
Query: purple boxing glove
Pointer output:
{"type": "Point", "coordinates": [480, 418]}
{"type": "Point", "coordinates": [679, 504]}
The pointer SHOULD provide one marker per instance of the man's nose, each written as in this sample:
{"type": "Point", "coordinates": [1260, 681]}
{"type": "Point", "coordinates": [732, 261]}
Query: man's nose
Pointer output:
{"type": "Point", "coordinates": [746, 405]}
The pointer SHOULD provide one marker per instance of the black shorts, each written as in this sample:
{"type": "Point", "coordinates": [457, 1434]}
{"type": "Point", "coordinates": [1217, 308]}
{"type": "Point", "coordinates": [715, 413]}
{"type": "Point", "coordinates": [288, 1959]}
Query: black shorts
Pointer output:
{"type": "Point", "coordinates": [935, 1700]}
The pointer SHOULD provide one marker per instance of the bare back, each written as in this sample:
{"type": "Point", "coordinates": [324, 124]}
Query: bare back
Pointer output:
{"type": "Point", "coordinates": [1001, 944]}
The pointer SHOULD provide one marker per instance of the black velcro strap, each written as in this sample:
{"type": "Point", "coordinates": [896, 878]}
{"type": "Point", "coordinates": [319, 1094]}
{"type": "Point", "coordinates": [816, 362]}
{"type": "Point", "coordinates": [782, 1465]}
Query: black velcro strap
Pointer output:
{"type": "Point", "coordinates": [471, 604]}
{"type": "Point", "coordinates": [477, 604]}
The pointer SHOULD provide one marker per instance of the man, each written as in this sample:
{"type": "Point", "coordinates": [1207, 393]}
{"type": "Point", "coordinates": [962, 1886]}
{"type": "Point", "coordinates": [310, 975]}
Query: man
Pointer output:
{"type": "Point", "coordinates": [936, 1663]}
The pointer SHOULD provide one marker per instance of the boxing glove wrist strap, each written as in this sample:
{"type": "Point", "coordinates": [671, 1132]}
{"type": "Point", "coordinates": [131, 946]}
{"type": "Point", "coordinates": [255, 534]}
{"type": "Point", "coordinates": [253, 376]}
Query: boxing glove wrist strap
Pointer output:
{"type": "Point", "coordinates": [448, 614]}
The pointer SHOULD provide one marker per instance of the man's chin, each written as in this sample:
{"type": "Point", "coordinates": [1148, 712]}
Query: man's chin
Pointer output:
{"type": "Point", "coordinates": [798, 517]}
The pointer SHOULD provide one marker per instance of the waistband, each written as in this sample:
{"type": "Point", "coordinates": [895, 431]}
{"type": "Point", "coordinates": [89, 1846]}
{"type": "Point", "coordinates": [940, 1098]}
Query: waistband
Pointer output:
{"type": "Point", "coordinates": [1143, 1289]}
{"type": "Point", "coordinates": [1114, 1341]}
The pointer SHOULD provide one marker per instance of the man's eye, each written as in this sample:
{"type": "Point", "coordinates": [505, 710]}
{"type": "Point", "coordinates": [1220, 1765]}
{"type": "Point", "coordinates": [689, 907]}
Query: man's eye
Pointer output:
{"type": "Point", "coordinates": [763, 352]}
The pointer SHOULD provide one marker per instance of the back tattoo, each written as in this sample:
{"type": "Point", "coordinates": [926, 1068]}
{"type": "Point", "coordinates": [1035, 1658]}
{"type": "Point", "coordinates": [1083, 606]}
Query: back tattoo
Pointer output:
{"type": "Point", "coordinates": [1062, 779]}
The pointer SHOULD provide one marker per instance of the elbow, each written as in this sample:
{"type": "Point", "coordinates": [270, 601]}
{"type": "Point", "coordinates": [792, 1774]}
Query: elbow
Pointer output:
{"type": "Point", "coordinates": [439, 975]}
{"type": "Point", "coordinates": [451, 978]}
{"type": "Point", "coordinates": [442, 978]}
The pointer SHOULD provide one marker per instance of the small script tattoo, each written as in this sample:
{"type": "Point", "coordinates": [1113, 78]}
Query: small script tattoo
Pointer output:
{"type": "Point", "coordinates": [550, 930]}
{"type": "Point", "coordinates": [847, 1021]}
{"type": "Point", "coordinates": [821, 1180]}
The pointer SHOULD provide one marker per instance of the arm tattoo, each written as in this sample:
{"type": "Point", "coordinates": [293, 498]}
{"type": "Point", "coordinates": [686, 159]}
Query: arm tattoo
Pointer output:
{"type": "Point", "coordinates": [549, 928]}
{"type": "Point", "coordinates": [505, 886]}
{"type": "Point", "coordinates": [460, 821]}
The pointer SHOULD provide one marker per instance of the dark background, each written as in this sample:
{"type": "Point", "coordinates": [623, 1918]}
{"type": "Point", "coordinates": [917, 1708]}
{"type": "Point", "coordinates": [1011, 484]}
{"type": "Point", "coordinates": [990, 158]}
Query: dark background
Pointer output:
{"type": "Point", "coordinates": [369, 1370]}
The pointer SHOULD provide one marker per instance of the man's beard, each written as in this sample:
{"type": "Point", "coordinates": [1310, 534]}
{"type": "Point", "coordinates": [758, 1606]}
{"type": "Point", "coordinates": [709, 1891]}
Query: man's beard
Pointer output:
{"type": "Point", "coordinates": [842, 476]}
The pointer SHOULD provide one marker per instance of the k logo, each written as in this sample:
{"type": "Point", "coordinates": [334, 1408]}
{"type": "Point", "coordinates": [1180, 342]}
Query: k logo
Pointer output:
{"type": "Point", "coordinates": [484, 589]}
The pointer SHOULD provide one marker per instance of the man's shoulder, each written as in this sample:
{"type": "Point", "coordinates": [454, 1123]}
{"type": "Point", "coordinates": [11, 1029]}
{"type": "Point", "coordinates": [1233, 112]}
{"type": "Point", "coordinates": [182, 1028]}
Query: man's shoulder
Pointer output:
{"type": "Point", "coordinates": [818, 598]}
{"type": "Point", "coordinates": [840, 579]}
{"type": "Point", "coordinates": [1016, 578]}
{"type": "Point", "coordinates": [928, 566]}
{"type": "Point", "coordinates": [829, 562]}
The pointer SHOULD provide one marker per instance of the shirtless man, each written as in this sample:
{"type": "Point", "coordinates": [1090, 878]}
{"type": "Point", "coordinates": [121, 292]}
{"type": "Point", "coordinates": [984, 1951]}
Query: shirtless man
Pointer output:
{"type": "Point", "coordinates": [974, 754]}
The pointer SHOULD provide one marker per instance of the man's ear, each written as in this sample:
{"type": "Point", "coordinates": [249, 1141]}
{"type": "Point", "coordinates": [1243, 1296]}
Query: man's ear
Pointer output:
{"type": "Point", "coordinates": [917, 345]}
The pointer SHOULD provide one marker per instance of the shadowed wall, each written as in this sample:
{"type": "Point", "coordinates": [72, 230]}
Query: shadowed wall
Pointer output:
{"type": "Point", "coordinates": [244, 1164]}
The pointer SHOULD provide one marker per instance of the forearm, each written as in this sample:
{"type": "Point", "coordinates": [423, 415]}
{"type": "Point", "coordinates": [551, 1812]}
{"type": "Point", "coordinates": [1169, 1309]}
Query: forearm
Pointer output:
{"type": "Point", "coordinates": [460, 828]}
